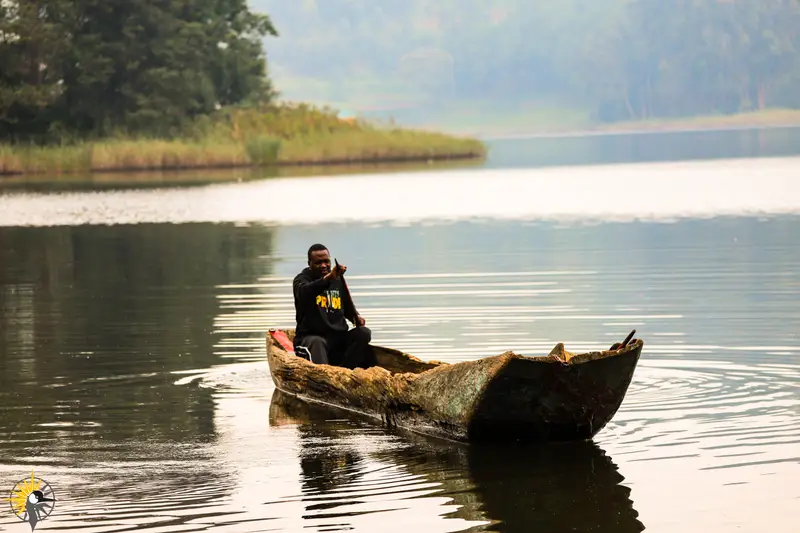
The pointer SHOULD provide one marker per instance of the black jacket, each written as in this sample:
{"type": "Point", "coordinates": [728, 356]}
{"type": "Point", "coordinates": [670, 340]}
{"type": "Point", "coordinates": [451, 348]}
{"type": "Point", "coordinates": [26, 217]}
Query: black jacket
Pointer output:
{"type": "Point", "coordinates": [320, 306]}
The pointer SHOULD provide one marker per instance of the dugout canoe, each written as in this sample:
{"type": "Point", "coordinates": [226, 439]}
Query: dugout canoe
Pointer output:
{"type": "Point", "coordinates": [507, 397]}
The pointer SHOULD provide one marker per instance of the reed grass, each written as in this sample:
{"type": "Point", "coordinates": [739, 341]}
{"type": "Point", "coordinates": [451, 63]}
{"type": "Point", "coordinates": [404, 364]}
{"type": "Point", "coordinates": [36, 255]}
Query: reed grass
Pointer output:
{"type": "Point", "coordinates": [273, 135]}
{"type": "Point", "coordinates": [371, 146]}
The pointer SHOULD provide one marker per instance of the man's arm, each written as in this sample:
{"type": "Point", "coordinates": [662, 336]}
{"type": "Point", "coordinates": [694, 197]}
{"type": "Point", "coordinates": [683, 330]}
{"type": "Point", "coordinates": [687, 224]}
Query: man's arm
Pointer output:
{"type": "Point", "coordinates": [305, 288]}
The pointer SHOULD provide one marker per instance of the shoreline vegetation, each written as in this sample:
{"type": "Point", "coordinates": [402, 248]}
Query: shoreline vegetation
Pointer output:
{"type": "Point", "coordinates": [272, 135]}
{"type": "Point", "coordinates": [301, 135]}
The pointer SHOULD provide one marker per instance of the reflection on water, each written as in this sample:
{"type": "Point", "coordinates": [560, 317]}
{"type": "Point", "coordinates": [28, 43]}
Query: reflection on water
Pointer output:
{"type": "Point", "coordinates": [510, 488]}
{"type": "Point", "coordinates": [662, 192]}
{"type": "Point", "coordinates": [348, 483]}
{"type": "Point", "coordinates": [195, 177]}
{"type": "Point", "coordinates": [621, 147]}
{"type": "Point", "coordinates": [132, 372]}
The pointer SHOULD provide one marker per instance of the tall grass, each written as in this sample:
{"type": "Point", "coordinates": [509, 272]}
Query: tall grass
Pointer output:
{"type": "Point", "coordinates": [262, 149]}
{"type": "Point", "coordinates": [272, 135]}
{"type": "Point", "coordinates": [50, 159]}
{"type": "Point", "coordinates": [376, 145]}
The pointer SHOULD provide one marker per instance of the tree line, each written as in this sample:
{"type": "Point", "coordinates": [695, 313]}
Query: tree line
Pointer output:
{"type": "Point", "coordinates": [93, 68]}
{"type": "Point", "coordinates": [622, 59]}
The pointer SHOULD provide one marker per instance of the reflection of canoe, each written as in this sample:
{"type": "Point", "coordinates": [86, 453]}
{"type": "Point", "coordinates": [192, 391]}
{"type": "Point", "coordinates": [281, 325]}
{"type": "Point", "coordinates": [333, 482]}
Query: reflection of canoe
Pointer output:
{"type": "Point", "coordinates": [567, 487]}
{"type": "Point", "coordinates": [320, 472]}
{"type": "Point", "coordinates": [504, 397]}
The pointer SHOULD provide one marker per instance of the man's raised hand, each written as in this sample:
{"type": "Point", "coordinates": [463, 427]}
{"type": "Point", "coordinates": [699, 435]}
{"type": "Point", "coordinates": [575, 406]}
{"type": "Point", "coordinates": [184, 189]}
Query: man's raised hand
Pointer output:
{"type": "Point", "coordinates": [335, 272]}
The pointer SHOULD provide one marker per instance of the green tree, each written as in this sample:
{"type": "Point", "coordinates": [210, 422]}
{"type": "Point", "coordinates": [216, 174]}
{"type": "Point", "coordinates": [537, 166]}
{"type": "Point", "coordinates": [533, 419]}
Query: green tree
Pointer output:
{"type": "Point", "coordinates": [153, 65]}
{"type": "Point", "coordinates": [34, 36]}
{"type": "Point", "coordinates": [96, 67]}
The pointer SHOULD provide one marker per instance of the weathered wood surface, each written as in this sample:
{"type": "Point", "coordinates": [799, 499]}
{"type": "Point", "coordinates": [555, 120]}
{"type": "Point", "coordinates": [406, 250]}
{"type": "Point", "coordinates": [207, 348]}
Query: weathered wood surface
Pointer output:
{"type": "Point", "coordinates": [561, 396]}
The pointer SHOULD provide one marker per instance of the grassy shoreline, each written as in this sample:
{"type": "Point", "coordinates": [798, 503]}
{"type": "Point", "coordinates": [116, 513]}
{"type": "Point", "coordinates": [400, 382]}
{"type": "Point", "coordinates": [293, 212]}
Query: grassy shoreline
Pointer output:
{"type": "Point", "coordinates": [285, 135]}
{"type": "Point", "coordinates": [303, 136]}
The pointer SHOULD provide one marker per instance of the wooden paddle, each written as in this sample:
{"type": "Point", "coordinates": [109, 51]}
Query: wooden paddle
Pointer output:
{"type": "Point", "coordinates": [619, 346]}
{"type": "Point", "coordinates": [347, 293]}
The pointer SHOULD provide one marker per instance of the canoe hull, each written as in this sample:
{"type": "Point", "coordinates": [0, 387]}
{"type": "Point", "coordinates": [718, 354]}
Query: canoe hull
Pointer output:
{"type": "Point", "coordinates": [506, 397]}
{"type": "Point", "coordinates": [551, 402]}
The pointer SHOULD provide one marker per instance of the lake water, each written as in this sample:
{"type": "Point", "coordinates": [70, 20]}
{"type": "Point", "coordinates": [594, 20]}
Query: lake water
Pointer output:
{"type": "Point", "coordinates": [133, 379]}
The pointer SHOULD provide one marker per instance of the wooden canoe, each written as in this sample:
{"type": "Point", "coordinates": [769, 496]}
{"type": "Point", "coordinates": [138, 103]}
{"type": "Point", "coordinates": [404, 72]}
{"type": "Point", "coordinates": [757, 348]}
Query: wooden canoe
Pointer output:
{"type": "Point", "coordinates": [507, 397]}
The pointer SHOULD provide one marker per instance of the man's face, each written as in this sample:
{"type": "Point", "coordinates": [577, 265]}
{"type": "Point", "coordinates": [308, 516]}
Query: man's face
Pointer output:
{"type": "Point", "coordinates": [320, 262]}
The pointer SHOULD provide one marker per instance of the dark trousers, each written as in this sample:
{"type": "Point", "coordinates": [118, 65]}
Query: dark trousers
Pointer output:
{"type": "Point", "coordinates": [350, 349]}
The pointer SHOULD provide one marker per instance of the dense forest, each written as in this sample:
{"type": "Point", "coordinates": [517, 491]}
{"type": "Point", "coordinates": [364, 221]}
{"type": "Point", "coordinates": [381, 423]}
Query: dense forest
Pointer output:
{"type": "Point", "coordinates": [622, 59]}
{"type": "Point", "coordinates": [78, 68]}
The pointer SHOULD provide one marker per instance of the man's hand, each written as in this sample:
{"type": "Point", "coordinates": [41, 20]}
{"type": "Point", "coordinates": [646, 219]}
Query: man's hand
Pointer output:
{"type": "Point", "coordinates": [360, 320]}
{"type": "Point", "coordinates": [335, 272]}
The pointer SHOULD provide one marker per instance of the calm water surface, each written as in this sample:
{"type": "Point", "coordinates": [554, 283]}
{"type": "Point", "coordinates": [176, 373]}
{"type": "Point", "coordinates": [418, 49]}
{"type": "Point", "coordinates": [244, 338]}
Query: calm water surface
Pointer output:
{"type": "Point", "coordinates": [621, 147]}
{"type": "Point", "coordinates": [132, 372]}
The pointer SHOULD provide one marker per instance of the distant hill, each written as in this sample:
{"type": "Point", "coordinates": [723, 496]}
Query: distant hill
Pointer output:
{"type": "Point", "coordinates": [580, 60]}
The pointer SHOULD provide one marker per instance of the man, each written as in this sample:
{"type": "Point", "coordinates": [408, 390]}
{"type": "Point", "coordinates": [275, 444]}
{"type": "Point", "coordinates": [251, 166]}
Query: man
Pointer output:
{"type": "Point", "coordinates": [321, 305]}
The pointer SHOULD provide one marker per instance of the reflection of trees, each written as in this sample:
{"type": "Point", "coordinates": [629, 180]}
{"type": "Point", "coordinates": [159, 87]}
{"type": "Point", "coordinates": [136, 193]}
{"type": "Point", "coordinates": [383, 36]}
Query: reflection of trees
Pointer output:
{"type": "Point", "coordinates": [567, 487]}
{"type": "Point", "coordinates": [95, 318]}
